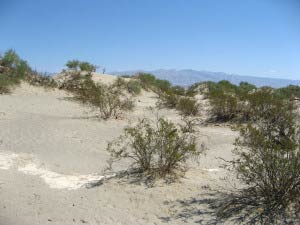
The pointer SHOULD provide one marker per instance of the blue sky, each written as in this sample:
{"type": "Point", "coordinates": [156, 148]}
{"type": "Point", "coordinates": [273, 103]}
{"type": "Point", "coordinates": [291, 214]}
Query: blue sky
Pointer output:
{"type": "Point", "coordinates": [247, 37]}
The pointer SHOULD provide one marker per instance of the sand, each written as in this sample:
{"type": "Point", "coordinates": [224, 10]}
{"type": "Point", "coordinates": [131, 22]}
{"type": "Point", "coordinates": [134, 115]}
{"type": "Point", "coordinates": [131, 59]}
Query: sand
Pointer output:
{"type": "Point", "coordinates": [53, 151]}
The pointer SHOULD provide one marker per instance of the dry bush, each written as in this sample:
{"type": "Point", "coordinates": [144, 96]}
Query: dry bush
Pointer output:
{"type": "Point", "coordinates": [157, 148]}
{"type": "Point", "coordinates": [188, 106]}
{"type": "Point", "coordinates": [134, 87]}
{"type": "Point", "coordinates": [268, 159]}
{"type": "Point", "coordinates": [109, 101]}
{"type": "Point", "coordinates": [41, 80]}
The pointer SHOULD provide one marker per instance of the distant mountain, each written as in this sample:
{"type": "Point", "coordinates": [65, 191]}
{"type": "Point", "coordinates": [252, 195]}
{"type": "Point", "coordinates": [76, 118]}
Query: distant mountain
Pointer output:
{"type": "Point", "coordinates": [188, 77]}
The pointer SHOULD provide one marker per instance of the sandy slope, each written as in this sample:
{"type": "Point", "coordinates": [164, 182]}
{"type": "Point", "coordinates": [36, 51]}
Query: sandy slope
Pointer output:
{"type": "Point", "coordinates": [51, 149]}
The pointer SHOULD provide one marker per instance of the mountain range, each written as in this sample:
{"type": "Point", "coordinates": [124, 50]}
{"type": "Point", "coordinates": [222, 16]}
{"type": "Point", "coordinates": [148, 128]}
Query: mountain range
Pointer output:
{"type": "Point", "coordinates": [188, 77]}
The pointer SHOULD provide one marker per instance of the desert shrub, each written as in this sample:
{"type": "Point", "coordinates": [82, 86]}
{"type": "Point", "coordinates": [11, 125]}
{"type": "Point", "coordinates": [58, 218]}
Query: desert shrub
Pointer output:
{"type": "Point", "coordinates": [120, 83]}
{"type": "Point", "coordinates": [134, 87]}
{"type": "Point", "coordinates": [230, 102]}
{"type": "Point", "coordinates": [268, 162]}
{"type": "Point", "coordinates": [73, 64]}
{"type": "Point", "coordinates": [178, 90]}
{"type": "Point", "coordinates": [109, 101]}
{"type": "Point", "coordinates": [224, 105]}
{"type": "Point", "coordinates": [157, 148]}
{"type": "Point", "coordinates": [169, 100]}
{"type": "Point", "coordinates": [192, 90]}
{"type": "Point", "coordinates": [74, 80]}
{"type": "Point", "coordinates": [188, 106]}
{"type": "Point", "coordinates": [246, 87]}
{"type": "Point", "coordinates": [40, 80]}
{"type": "Point", "coordinates": [76, 65]}
{"type": "Point", "coordinates": [126, 76]}
{"type": "Point", "coordinates": [6, 82]}
{"type": "Point", "coordinates": [147, 80]}
{"type": "Point", "coordinates": [162, 86]}
{"type": "Point", "coordinates": [10, 59]}
{"type": "Point", "coordinates": [289, 92]}
{"type": "Point", "coordinates": [12, 70]}
{"type": "Point", "coordinates": [13, 65]}
{"type": "Point", "coordinates": [88, 67]}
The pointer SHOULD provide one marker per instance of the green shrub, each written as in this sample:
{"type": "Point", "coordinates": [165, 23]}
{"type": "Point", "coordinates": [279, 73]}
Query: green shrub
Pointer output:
{"type": "Point", "coordinates": [13, 65]}
{"type": "Point", "coordinates": [169, 100]}
{"type": "Point", "coordinates": [88, 67]}
{"type": "Point", "coordinates": [126, 76]}
{"type": "Point", "coordinates": [73, 82]}
{"type": "Point", "coordinates": [10, 59]}
{"type": "Point", "coordinates": [268, 162]}
{"type": "Point", "coordinates": [82, 66]}
{"type": "Point", "coordinates": [73, 64]}
{"type": "Point", "coordinates": [147, 80]}
{"type": "Point", "coordinates": [7, 82]}
{"type": "Point", "coordinates": [178, 90]}
{"type": "Point", "coordinates": [162, 86]}
{"type": "Point", "coordinates": [188, 106]}
{"type": "Point", "coordinates": [224, 105]}
{"type": "Point", "coordinates": [230, 102]}
{"type": "Point", "coordinates": [134, 87]}
{"type": "Point", "coordinates": [41, 80]}
{"type": "Point", "coordinates": [12, 70]}
{"type": "Point", "coordinates": [120, 83]}
{"type": "Point", "coordinates": [157, 148]}
{"type": "Point", "coordinates": [290, 92]}
{"type": "Point", "coordinates": [109, 101]}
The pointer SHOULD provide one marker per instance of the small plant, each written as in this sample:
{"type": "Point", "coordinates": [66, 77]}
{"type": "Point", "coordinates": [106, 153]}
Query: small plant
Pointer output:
{"type": "Point", "coordinates": [268, 162]}
{"type": "Point", "coordinates": [188, 106]}
{"type": "Point", "coordinates": [169, 100]}
{"type": "Point", "coordinates": [134, 87]}
{"type": "Point", "coordinates": [41, 80]}
{"type": "Point", "coordinates": [6, 82]}
{"type": "Point", "coordinates": [76, 65]}
{"type": "Point", "coordinates": [126, 76]}
{"type": "Point", "coordinates": [108, 100]}
{"type": "Point", "coordinates": [178, 90]}
{"type": "Point", "coordinates": [12, 70]}
{"type": "Point", "coordinates": [147, 80]}
{"type": "Point", "coordinates": [158, 148]}
{"type": "Point", "coordinates": [120, 83]}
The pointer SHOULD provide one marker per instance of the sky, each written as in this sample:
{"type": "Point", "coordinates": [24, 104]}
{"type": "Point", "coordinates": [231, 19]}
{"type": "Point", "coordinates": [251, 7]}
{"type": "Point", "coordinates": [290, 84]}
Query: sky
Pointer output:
{"type": "Point", "coordinates": [246, 37]}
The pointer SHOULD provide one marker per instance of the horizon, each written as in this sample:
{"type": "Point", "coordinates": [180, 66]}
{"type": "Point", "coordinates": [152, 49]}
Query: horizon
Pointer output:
{"type": "Point", "coordinates": [249, 38]}
{"type": "Point", "coordinates": [208, 71]}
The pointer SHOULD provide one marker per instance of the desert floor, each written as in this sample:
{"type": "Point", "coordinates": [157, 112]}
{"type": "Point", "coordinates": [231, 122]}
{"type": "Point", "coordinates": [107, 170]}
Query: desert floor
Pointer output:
{"type": "Point", "coordinates": [52, 150]}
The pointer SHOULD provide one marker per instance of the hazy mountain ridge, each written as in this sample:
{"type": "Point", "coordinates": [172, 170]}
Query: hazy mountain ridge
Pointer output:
{"type": "Point", "coordinates": [188, 77]}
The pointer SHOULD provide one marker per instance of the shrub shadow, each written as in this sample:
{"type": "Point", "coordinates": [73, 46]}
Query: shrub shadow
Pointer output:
{"type": "Point", "coordinates": [233, 208]}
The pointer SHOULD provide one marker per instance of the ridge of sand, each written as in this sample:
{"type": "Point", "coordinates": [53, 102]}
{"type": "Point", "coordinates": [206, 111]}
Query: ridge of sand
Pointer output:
{"type": "Point", "coordinates": [50, 146]}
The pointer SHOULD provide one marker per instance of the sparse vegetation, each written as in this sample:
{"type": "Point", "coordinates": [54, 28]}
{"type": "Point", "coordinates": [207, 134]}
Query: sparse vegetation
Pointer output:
{"type": "Point", "coordinates": [170, 96]}
{"type": "Point", "coordinates": [41, 80]}
{"type": "Point", "coordinates": [268, 162]}
{"type": "Point", "coordinates": [134, 87]}
{"type": "Point", "coordinates": [82, 66]}
{"type": "Point", "coordinates": [188, 106]}
{"type": "Point", "coordinates": [158, 148]}
{"type": "Point", "coordinates": [107, 100]}
{"type": "Point", "coordinates": [12, 70]}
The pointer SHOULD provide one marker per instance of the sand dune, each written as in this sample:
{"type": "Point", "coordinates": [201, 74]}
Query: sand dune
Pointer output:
{"type": "Point", "coordinates": [51, 149]}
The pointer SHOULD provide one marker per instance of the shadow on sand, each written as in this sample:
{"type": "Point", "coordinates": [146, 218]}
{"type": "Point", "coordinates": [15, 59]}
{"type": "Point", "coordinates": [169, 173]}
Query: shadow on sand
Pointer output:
{"type": "Point", "coordinates": [228, 208]}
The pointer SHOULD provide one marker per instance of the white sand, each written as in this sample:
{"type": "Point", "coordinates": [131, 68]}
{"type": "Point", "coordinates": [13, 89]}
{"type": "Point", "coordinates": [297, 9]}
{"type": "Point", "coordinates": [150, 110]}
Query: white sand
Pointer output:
{"type": "Point", "coordinates": [51, 149]}
{"type": "Point", "coordinates": [61, 181]}
{"type": "Point", "coordinates": [7, 160]}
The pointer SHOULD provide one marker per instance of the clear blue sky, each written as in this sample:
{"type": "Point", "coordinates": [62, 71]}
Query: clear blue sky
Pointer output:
{"type": "Point", "coordinates": [247, 37]}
